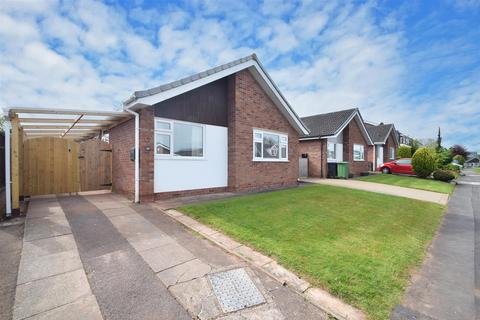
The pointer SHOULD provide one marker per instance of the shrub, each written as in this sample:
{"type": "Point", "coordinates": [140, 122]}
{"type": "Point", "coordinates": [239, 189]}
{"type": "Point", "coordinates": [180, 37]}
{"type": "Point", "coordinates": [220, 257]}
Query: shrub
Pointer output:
{"type": "Point", "coordinates": [443, 175]}
{"type": "Point", "coordinates": [424, 162]}
{"type": "Point", "coordinates": [460, 159]}
{"type": "Point", "coordinates": [444, 157]}
{"type": "Point", "coordinates": [451, 167]}
{"type": "Point", "coordinates": [404, 152]}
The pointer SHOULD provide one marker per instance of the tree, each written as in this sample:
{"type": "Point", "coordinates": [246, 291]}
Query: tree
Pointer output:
{"type": "Point", "coordinates": [415, 145]}
{"type": "Point", "coordinates": [404, 152]}
{"type": "Point", "coordinates": [439, 142]}
{"type": "Point", "coordinates": [424, 162]}
{"type": "Point", "coordinates": [460, 159]}
{"type": "Point", "coordinates": [459, 150]}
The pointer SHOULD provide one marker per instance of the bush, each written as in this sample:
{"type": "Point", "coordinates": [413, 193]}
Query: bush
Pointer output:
{"type": "Point", "coordinates": [460, 159]}
{"type": "Point", "coordinates": [424, 162]}
{"type": "Point", "coordinates": [444, 157]}
{"type": "Point", "coordinates": [443, 175]}
{"type": "Point", "coordinates": [404, 152]}
{"type": "Point", "coordinates": [451, 167]}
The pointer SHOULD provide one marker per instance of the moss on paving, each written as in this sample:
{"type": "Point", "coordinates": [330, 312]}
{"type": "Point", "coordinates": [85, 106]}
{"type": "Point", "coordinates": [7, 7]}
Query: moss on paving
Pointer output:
{"type": "Point", "coordinates": [410, 182]}
{"type": "Point", "coordinates": [360, 246]}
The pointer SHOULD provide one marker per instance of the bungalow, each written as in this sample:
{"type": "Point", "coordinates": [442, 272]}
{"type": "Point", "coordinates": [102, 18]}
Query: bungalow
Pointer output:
{"type": "Point", "coordinates": [336, 137]}
{"type": "Point", "coordinates": [226, 129]}
{"type": "Point", "coordinates": [386, 142]}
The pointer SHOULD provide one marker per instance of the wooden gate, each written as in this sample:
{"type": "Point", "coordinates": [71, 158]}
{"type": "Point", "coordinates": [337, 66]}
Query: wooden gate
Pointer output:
{"type": "Point", "coordinates": [50, 166]}
{"type": "Point", "coordinates": [95, 165]}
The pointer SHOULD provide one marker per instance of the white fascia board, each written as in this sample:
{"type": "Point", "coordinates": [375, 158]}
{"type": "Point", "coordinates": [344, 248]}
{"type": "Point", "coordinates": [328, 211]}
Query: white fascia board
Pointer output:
{"type": "Point", "coordinates": [309, 138]}
{"type": "Point", "coordinates": [164, 95]}
{"type": "Point", "coordinates": [272, 92]}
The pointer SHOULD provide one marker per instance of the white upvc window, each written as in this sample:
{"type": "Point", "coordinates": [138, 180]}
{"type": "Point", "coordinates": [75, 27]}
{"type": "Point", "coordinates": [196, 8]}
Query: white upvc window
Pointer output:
{"type": "Point", "coordinates": [332, 151]}
{"type": "Point", "coordinates": [358, 152]}
{"type": "Point", "coordinates": [269, 146]}
{"type": "Point", "coordinates": [392, 153]}
{"type": "Point", "coordinates": [179, 139]}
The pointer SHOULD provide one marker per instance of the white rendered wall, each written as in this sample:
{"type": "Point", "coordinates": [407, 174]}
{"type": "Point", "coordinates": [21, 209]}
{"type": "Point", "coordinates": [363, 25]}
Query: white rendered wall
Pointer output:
{"type": "Point", "coordinates": [176, 174]}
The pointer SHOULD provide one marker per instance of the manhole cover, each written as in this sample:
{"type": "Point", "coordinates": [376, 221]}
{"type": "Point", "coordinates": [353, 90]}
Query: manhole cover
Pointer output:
{"type": "Point", "coordinates": [235, 290]}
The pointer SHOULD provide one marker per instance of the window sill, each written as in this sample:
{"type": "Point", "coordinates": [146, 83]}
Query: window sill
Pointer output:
{"type": "Point", "coordinates": [269, 160]}
{"type": "Point", "coordinates": [157, 157]}
{"type": "Point", "coordinates": [358, 160]}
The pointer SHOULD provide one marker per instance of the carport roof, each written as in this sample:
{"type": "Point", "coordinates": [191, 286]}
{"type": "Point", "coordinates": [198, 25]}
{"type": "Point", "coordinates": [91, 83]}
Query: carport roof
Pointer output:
{"type": "Point", "coordinates": [65, 123]}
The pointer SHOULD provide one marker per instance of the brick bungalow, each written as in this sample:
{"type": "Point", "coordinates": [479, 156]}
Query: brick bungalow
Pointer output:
{"type": "Point", "coordinates": [385, 138]}
{"type": "Point", "coordinates": [336, 137]}
{"type": "Point", "coordinates": [226, 129]}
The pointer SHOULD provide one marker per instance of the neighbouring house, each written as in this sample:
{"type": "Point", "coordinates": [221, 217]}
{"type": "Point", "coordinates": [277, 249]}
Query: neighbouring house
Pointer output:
{"type": "Point", "coordinates": [226, 129]}
{"type": "Point", "coordinates": [336, 137]}
{"type": "Point", "coordinates": [385, 138]}
{"type": "Point", "coordinates": [403, 139]}
{"type": "Point", "coordinates": [472, 162]}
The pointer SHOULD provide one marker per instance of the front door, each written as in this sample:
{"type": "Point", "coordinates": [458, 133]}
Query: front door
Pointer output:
{"type": "Point", "coordinates": [379, 155]}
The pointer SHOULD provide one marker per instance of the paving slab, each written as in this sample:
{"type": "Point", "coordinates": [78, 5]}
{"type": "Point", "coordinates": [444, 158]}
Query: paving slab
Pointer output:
{"type": "Point", "coordinates": [80, 309]}
{"type": "Point", "coordinates": [132, 225]}
{"type": "Point", "coordinates": [149, 241]}
{"type": "Point", "coordinates": [118, 211]}
{"type": "Point", "coordinates": [42, 295]}
{"type": "Point", "coordinates": [198, 298]}
{"type": "Point", "coordinates": [435, 197]}
{"type": "Point", "coordinates": [43, 247]}
{"type": "Point", "coordinates": [166, 256]}
{"type": "Point", "coordinates": [46, 227]}
{"type": "Point", "coordinates": [45, 266]}
{"type": "Point", "coordinates": [263, 312]}
{"type": "Point", "coordinates": [187, 271]}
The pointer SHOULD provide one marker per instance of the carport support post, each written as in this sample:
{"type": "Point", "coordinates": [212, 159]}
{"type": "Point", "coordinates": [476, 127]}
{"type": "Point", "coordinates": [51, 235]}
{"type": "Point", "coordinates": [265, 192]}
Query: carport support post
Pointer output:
{"type": "Point", "coordinates": [137, 154]}
{"type": "Point", "coordinates": [15, 176]}
{"type": "Point", "coordinates": [8, 186]}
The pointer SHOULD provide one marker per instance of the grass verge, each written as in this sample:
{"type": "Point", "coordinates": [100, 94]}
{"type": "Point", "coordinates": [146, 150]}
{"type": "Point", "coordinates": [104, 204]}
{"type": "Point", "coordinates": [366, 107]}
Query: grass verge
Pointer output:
{"type": "Point", "coordinates": [360, 246]}
{"type": "Point", "coordinates": [410, 182]}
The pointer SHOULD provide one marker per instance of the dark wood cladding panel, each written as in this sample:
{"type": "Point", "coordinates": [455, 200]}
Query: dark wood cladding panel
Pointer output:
{"type": "Point", "coordinates": [207, 104]}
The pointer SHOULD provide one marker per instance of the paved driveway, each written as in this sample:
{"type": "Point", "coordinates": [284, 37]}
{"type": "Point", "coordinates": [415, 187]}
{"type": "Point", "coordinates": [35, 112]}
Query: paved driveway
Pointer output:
{"type": "Point", "coordinates": [99, 256]}
{"type": "Point", "coordinates": [423, 195]}
{"type": "Point", "coordinates": [445, 288]}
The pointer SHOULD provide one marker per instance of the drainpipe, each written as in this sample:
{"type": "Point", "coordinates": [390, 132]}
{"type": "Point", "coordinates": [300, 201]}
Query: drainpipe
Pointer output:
{"type": "Point", "coordinates": [8, 186]}
{"type": "Point", "coordinates": [137, 153]}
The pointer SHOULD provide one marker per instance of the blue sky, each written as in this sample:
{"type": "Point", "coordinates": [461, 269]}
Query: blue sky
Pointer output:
{"type": "Point", "coordinates": [413, 63]}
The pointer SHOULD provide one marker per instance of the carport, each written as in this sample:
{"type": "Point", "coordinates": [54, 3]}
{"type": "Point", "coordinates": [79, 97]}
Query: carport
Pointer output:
{"type": "Point", "coordinates": [51, 151]}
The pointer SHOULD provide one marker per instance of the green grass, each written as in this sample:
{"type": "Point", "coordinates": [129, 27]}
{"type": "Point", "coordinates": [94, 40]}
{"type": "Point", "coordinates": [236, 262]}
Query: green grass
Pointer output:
{"type": "Point", "coordinates": [360, 246]}
{"type": "Point", "coordinates": [477, 170]}
{"type": "Point", "coordinates": [410, 182]}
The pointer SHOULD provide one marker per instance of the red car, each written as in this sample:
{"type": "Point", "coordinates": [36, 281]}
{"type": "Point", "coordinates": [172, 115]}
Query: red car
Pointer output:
{"type": "Point", "coordinates": [403, 166]}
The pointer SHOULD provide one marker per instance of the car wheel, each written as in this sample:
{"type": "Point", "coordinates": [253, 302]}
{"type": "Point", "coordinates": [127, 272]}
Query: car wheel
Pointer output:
{"type": "Point", "coordinates": [385, 170]}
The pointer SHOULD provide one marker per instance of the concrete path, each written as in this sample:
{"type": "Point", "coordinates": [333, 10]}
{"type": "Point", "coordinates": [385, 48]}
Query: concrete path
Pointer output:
{"type": "Point", "coordinates": [429, 196]}
{"type": "Point", "coordinates": [101, 257]}
{"type": "Point", "coordinates": [446, 286]}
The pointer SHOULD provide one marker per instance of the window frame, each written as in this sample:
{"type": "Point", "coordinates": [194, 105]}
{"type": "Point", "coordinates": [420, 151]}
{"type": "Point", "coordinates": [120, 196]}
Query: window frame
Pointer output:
{"type": "Point", "coordinates": [171, 133]}
{"type": "Point", "coordinates": [363, 152]}
{"type": "Point", "coordinates": [392, 153]}
{"type": "Point", "coordinates": [260, 140]}
{"type": "Point", "coordinates": [334, 151]}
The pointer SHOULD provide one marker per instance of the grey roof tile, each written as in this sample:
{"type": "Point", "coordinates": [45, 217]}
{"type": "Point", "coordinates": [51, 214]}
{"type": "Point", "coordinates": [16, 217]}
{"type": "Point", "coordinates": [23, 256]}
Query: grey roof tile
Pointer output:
{"type": "Point", "coordinates": [327, 124]}
{"type": "Point", "coordinates": [379, 133]}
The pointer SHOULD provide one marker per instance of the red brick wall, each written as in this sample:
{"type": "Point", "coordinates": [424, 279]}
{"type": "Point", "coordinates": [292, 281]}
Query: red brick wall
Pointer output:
{"type": "Point", "coordinates": [386, 148]}
{"type": "Point", "coordinates": [249, 108]}
{"type": "Point", "coordinates": [147, 158]}
{"type": "Point", "coordinates": [317, 156]}
{"type": "Point", "coordinates": [352, 135]}
{"type": "Point", "coordinates": [122, 139]}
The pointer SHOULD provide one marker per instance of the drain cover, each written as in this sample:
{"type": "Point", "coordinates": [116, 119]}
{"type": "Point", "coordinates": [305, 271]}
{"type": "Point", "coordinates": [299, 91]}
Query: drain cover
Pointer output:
{"type": "Point", "coordinates": [235, 290]}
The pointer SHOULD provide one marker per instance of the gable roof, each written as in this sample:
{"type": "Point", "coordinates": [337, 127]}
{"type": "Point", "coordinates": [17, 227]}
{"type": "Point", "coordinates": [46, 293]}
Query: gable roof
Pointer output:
{"type": "Point", "coordinates": [140, 99]}
{"type": "Point", "coordinates": [380, 133]}
{"type": "Point", "coordinates": [327, 124]}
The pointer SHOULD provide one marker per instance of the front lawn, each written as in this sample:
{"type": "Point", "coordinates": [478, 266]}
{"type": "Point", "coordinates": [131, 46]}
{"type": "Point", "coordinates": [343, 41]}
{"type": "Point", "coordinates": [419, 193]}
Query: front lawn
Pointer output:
{"type": "Point", "coordinates": [360, 246]}
{"type": "Point", "coordinates": [410, 182]}
{"type": "Point", "coordinates": [477, 170]}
